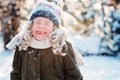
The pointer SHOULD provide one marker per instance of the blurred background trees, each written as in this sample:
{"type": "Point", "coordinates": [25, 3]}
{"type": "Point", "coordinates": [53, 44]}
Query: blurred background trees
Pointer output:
{"type": "Point", "coordinates": [9, 18]}
{"type": "Point", "coordinates": [96, 18]}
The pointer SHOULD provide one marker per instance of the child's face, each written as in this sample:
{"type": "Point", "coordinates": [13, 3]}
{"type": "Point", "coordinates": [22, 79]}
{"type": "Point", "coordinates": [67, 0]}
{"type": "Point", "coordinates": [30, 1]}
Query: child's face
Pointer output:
{"type": "Point", "coordinates": [42, 27]}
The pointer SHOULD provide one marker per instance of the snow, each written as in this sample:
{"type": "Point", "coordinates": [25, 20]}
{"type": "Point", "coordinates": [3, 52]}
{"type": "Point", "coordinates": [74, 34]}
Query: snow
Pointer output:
{"type": "Point", "coordinates": [1, 43]}
{"type": "Point", "coordinates": [117, 15]}
{"type": "Point", "coordinates": [116, 25]}
{"type": "Point", "coordinates": [101, 68]}
{"type": "Point", "coordinates": [87, 44]}
{"type": "Point", "coordinates": [5, 62]}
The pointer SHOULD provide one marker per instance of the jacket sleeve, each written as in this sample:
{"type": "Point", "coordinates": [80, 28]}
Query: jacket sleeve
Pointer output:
{"type": "Point", "coordinates": [16, 65]}
{"type": "Point", "coordinates": [71, 70]}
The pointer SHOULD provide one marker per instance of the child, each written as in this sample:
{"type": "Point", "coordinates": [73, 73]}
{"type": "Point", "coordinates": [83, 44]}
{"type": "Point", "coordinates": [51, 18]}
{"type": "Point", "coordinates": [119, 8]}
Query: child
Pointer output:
{"type": "Point", "coordinates": [42, 50]}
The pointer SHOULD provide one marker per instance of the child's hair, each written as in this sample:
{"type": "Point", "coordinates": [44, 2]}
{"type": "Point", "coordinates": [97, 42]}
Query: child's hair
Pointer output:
{"type": "Point", "coordinates": [57, 38]}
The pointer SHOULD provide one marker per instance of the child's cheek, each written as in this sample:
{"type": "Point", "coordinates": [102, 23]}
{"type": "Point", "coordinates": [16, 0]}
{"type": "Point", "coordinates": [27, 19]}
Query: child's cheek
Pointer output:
{"type": "Point", "coordinates": [49, 31]}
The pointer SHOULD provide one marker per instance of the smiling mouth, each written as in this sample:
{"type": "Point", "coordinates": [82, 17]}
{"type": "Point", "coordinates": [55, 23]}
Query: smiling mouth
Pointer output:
{"type": "Point", "coordinates": [41, 32]}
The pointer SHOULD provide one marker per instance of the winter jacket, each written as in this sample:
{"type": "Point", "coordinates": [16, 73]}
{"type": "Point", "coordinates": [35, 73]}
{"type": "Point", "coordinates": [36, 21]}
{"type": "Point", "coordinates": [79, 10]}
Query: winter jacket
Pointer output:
{"type": "Point", "coordinates": [42, 64]}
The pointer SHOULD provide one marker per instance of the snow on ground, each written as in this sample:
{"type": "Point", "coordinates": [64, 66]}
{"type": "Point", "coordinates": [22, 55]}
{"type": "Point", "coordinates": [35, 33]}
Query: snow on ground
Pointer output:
{"type": "Point", "coordinates": [5, 64]}
{"type": "Point", "coordinates": [101, 68]}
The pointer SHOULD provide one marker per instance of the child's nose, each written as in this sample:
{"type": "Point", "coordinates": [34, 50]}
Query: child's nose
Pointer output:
{"type": "Point", "coordinates": [42, 27]}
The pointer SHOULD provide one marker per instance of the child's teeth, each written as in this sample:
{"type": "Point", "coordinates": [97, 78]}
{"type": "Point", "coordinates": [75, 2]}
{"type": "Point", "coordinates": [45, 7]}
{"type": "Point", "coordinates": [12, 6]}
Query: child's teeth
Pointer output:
{"type": "Point", "coordinates": [41, 32]}
{"type": "Point", "coordinates": [38, 32]}
{"type": "Point", "coordinates": [45, 32]}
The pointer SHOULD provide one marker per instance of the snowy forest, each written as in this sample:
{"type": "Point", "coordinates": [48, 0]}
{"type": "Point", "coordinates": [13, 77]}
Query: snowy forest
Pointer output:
{"type": "Point", "coordinates": [94, 27]}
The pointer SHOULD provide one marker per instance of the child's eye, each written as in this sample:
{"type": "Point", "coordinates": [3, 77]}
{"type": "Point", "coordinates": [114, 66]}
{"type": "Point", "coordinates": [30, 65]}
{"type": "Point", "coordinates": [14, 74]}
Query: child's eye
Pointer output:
{"type": "Point", "coordinates": [37, 22]}
{"type": "Point", "coordinates": [46, 23]}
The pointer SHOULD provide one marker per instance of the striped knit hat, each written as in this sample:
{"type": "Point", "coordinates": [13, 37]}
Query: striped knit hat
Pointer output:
{"type": "Point", "coordinates": [48, 10]}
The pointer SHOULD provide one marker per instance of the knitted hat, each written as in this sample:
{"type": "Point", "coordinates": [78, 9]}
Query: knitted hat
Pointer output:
{"type": "Point", "coordinates": [48, 10]}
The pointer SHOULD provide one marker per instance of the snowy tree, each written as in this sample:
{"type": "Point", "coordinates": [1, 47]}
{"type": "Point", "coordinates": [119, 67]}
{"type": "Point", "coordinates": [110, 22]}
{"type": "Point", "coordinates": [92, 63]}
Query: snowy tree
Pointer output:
{"type": "Point", "coordinates": [111, 17]}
